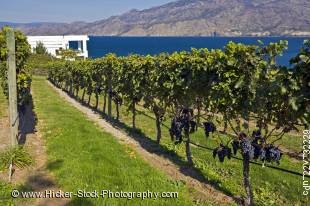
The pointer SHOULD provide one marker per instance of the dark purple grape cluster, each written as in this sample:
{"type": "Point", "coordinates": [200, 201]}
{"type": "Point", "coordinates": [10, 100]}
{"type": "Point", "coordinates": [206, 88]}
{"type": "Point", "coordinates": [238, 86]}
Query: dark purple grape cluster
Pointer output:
{"type": "Point", "coordinates": [256, 148]}
{"type": "Point", "coordinates": [187, 111]}
{"type": "Point", "coordinates": [257, 134]}
{"type": "Point", "coordinates": [209, 127]}
{"type": "Point", "coordinates": [258, 143]}
{"type": "Point", "coordinates": [259, 151]}
{"type": "Point", "coordinates": [235, 145]}
{"type": "Point", "coordinates": [258, 138]}
{"type": "Point", "coordinates": [176, 130]}
{"type": "Point", "coordinates": [185, 118]}
{"type": "Point", "coordinates": [247, 148]}
{"type": "Point", "coordinates": [222, 151]}
{"type": "Point", "coordinates": [245, 145]}
{"type": "Point", "coordinates": [180, 123]}
{"type": "Point", "coordinates": [272, 154]}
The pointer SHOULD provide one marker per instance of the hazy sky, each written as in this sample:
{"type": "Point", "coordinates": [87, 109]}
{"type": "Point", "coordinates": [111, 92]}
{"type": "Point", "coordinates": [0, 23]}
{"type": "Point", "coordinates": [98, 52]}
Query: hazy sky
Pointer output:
{"type": "Point", "coordinates": [68, 10]}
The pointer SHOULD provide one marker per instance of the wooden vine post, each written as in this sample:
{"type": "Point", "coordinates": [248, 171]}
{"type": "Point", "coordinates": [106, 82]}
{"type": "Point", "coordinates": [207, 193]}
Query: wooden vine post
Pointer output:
{"type": "Point", "coordinates": [110, 94]}
{"type": "Point", "coordinates": [14, 118]}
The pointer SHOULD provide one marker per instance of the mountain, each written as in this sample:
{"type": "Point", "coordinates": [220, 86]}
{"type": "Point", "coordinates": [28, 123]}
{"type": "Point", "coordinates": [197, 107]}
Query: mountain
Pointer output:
{"type": "Point", "coordinates": [196, 18]}
{"type": "Point", "coordinates": [47, 28]}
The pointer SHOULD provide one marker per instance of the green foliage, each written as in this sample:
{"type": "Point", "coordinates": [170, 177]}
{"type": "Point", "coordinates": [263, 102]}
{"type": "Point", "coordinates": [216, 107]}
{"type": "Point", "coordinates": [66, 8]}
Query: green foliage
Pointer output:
{"type": "Point", "coordinates": [40, 49]}
{"type": "Point", "coordinates": [19, 157]}
{"type": "Point", "coordinates": [67, 54]}
{"type": "Point", "coordinates": [241, 83]}
{"type": "Point", "coordinates": [265, 196]}
{"type": "Point", "coordinates": [299, 84]}
{"type": "Point", "coordinates": [38, 63]}
{"type": "Point", "coordinates": [5, 194]}
{"type": "Point", "coordinates": [22, 47]}
{"type": "Point", "coordinates": [23, 87]}
{"type": "Point", "coordinates": [133, 76]}
{"type": "Point", "coordinates": [22, 53]}
{"type": "Point", "coordinates": [3, 78]}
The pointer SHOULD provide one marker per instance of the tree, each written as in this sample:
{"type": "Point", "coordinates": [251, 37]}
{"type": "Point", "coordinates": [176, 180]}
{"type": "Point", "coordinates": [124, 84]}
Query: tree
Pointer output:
{"type": "Point", "coordinates": [242, 83]}
{"type": "Point", "coordinates": [182, 97]}
{"type": "Point", "coordinates": [84, 78]}
{"type": "Point", "coordinates": [155, 92]}
{"type": "Point", "coordinates": [234, 96]}
{"type": "Point", "coordinates": [112, 88]}
{"type": "Point", "coordinates": [22, 53]}
{"type": "Point", "coordinates": [132, 79]}
{"type": "Point", "coordinates": [40, 49]}
{"type": "Point", "coordinates": [67, 54]}
{"type": "Point", "coordinates": [253, 88]}
{"type": "Point", "coordinates": [98, 78]}
{"type": "Point", "coordinates": [299, 87]}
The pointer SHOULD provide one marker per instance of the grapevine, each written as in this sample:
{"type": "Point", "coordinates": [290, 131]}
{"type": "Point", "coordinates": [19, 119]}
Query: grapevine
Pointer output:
{"type": "Point", "coordinates": [23, 77]}
{"type": "Point", "coordinates": [240, 83]}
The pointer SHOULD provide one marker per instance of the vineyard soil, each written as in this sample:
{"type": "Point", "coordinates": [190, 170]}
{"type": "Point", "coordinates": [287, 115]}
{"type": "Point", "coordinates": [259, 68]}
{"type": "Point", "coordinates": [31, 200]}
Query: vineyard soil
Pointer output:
{"type": "Point", "coordinates": [35, 178]}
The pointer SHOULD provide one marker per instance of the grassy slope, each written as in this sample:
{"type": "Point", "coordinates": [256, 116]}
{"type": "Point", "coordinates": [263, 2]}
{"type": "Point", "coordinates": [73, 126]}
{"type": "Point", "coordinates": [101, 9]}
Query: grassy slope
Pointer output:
{"type": "Point", "coordinates": [5, 194]}
{"type": "Point", "coordinates": [271, 187]}
{"type": "Point", "coordinates": [83, 157]}
{"type": "Point", "coordinates": [5, 189]}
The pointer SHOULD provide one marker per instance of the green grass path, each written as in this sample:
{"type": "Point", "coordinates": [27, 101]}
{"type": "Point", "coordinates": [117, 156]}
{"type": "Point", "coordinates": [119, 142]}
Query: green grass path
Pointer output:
{"type": "Point", "coordinates": [5, 189]}
{"type": "Point", "coordinates": [82, 156]}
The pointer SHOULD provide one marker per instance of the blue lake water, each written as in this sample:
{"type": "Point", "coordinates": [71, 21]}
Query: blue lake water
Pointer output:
{"type": "Point", "coordinates": [122, 46]}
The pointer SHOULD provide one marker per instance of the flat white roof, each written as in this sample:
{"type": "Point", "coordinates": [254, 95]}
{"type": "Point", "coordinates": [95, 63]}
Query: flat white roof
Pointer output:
{"type": "Point", "coordinates": [53, 43]}
{"type": "Point", "coordinates": [57, 38]}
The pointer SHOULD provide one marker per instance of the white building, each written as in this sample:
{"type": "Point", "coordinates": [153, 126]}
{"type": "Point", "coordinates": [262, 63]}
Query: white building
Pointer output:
{"type": "Point", "coordinates": [55, 43]}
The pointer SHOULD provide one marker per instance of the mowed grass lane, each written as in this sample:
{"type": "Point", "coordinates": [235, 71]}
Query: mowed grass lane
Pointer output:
{"type": "Point", "coordinates": [5, 188]}
{"type": "Point", "coordinates": [82, 156]}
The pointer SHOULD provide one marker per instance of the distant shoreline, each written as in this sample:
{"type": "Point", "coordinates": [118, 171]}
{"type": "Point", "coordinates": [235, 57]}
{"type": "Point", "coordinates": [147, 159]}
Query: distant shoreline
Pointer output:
{"type": "Point", "coordinates": [149, 36]}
